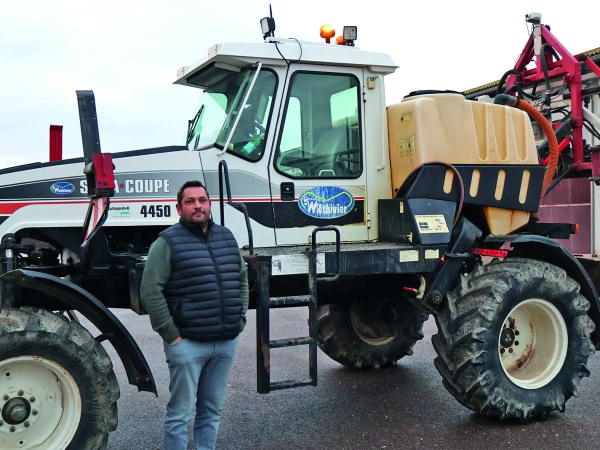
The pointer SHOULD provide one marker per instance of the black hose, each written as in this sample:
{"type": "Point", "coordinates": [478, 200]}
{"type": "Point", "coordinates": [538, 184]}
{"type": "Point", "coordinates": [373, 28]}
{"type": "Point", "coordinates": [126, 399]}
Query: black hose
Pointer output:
{"type": "Point", "coordinates": [591, 128]}
{"type": "Point", "coordinates": [553, 51]}
{"type": "Point", "coordinates": [545, 64]}
{"type": "Point", "coordinates": [584, 92]}
{"type": "Point", "coordinates": [458, 177]}
{"type": "Point", "coordinates": [529, 96]}
{"type": "Point", "coordinates": [559, 178]}
{"type": "Point", "coordinates": [564, 111]}
{"type": "Point", "coordinates": [548, 94]}
{"type": "Point", "coordinates": [505, 99]}
{"type": "Point", "coordinates": [519, 85]}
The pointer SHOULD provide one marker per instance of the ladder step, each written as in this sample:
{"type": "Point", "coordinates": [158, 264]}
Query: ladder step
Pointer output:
{"type": "Point", "coordinates": [278, 385]}
{"type": "Point", "coordinates": [278, 343]}
{"type": "Point", "coordinates": [294, 300]}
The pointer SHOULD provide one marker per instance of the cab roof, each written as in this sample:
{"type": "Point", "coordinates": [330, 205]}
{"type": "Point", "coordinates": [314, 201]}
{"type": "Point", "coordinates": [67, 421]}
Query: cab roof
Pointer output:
{"type": "Point", "coordinates": [238, 55]}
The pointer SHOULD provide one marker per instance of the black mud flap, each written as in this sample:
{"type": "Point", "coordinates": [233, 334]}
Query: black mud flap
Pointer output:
{"type": "Point", "coordinates": [111, 328]}
{"type": "Point", "coordinates": [548, 250]}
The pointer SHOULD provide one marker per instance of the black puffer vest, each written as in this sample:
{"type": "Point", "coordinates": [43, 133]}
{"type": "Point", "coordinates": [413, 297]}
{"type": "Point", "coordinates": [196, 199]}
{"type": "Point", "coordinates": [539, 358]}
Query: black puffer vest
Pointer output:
{"type": "Point", "coordinates": [203, 292]}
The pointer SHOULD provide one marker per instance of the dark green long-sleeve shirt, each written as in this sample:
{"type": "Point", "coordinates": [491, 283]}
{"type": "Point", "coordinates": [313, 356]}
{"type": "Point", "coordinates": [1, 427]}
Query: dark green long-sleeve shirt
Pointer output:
{"type": "Point", "coordinates": [156, 276]}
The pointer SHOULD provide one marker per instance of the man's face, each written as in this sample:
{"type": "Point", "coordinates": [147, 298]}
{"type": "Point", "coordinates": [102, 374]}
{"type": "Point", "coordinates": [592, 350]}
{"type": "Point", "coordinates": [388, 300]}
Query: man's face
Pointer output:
{"type": "Point", "coordinates": [195, 206]}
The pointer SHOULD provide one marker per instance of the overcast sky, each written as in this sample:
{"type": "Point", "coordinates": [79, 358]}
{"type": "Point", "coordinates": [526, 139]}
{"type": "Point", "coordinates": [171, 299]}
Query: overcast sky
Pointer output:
{"type": "Point", "coordinates": [128, 53]}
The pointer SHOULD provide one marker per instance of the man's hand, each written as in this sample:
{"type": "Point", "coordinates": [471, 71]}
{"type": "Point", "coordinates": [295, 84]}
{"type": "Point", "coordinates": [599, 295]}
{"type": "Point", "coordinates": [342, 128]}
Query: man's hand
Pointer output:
{"type": "Point", "coordinates": [179, 339]}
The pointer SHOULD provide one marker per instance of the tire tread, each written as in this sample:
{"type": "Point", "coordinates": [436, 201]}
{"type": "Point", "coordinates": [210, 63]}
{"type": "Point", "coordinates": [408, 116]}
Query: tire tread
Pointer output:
{"type": "Point", "coordinates": [464, 353]}
{"type": "Point", "coordinates": [337, 339]}
{"type": "Point", "coordinates": [58, 330]}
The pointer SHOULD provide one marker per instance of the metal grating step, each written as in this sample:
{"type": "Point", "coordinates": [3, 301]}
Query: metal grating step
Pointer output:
{"type": "Point", "coordinates": [290, 342]}
{"type": "Point", "coordinates": [295, 300]}
{"type": "Point", "coordinates": [278, 385]}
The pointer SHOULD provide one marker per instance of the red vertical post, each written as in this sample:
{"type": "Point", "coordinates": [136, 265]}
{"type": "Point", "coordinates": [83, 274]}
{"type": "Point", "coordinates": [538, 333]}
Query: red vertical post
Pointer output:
{"type": "Point", "coordinates": [577, 115]}
{"type": "Point", "coordinates": [56, 142]}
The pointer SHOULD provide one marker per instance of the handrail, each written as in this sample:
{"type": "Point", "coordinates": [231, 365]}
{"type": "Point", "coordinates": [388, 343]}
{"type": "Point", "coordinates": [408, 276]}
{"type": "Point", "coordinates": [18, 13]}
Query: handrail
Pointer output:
{"type": "Point", "coordinates": [328, 277]}
{"type": "Point", "coordinates": [223, 170]}
{"type": "Point", "coordinates": [384, 145]}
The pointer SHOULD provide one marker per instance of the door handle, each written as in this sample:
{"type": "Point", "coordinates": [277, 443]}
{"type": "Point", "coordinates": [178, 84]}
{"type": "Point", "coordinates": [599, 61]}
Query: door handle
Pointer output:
{"type": "Point", "coordinates": [287, 191]}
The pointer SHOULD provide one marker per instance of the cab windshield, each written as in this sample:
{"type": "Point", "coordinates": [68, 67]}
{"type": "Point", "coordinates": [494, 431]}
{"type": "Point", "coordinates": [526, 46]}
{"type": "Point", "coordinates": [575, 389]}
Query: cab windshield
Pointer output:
{"type": "Point", "coordinates": [218, 110]}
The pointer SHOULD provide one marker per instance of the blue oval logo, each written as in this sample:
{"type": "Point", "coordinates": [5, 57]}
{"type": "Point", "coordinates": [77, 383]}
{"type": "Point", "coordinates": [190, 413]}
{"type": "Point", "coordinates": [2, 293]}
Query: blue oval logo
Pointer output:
{"type": "Point", "coordinates": [62, 188]}
{"type": "Point", "coordinates": [326, 202]}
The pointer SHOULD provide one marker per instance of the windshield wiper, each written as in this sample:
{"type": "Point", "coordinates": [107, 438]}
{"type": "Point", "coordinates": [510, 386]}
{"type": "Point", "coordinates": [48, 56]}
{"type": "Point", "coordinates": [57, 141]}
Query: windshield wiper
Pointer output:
{"type": "Point", "coordinates": [192, 124]}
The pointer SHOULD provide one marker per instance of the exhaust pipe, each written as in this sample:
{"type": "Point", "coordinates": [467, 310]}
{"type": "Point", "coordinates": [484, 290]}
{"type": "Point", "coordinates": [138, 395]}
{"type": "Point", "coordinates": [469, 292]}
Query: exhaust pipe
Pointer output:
{"type": "Point", "coordinates": [56, 142]}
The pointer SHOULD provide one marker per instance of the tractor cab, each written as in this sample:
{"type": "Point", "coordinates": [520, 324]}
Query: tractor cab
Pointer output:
{"type": "Point", "coordinates": [302, 127]}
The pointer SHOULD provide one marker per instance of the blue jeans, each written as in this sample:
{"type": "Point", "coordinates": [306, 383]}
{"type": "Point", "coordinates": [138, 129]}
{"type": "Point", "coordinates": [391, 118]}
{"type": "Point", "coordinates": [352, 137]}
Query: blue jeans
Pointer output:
{"type": "Point", "coordinates": [199, 374]}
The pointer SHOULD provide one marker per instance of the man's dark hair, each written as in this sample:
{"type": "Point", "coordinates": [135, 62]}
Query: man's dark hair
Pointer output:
{"type": "Point", "coordinates": [188, 184]}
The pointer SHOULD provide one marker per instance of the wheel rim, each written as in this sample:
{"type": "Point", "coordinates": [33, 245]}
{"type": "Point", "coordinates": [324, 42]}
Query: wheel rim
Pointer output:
{"type": "Point", "coordinates": [532, 344]}
{"type": "Point", "coordinates": [364, 331]}
{"type": "Point", "coordinates": [40, 404]}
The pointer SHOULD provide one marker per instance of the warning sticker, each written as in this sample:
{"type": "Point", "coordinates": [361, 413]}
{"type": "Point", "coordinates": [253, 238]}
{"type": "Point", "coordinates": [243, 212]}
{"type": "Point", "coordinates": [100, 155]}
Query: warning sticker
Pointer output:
{"type": "Point", "coordinates": [409, 255]}
{"type": "Point", "coordinates": [431, 223]}
{"type": "Point", "coordinates": [295, 264]}
{"type": "Point", "coordinates": [432, 254]}
{"type": "Point", "coordinates": [407, 146]}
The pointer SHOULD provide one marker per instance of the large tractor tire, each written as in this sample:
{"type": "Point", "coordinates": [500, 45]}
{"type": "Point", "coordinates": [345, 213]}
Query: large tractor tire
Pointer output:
{"type": "Point", "coordinates": [57, 385]}
{"type": "Point", "coordinates": [514, 339]}
{"type": "Point", "coordinates": [369, 334]}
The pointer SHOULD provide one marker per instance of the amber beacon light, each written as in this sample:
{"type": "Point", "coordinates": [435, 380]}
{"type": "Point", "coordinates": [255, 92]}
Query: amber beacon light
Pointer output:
{"type": "Point", "coordinates": [327, 32]}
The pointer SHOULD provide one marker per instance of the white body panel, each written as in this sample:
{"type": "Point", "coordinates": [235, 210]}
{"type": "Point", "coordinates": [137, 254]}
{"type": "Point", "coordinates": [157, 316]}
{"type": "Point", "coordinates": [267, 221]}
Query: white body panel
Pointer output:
{"type": "Point", "coordinates": [135, 176]}
{"type": "Point", "coordinates": [239, 54]}
{"type": "Point", "coordinates": [142, 180]}
{"type": "Point", "coordinates": [147, 181]}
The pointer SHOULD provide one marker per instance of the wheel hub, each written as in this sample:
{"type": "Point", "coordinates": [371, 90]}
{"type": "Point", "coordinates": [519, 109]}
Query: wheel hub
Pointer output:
{"type": "Point", "coordinates": [40, 404]}
{"type": "Point", "coordinates": [16, 411]}
{"type": "Point", "coordinates": [532, 344]}
{"type": "Point", "coordinates": [507, 337]}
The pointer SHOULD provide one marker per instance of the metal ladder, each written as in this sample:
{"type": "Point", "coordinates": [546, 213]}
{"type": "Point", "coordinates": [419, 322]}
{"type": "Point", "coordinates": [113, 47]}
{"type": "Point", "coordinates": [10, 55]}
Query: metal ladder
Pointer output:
{"type": "Point", "coordinates": [264, 344]}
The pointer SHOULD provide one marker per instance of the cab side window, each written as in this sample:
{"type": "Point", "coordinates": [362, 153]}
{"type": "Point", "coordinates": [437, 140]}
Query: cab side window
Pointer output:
{"type": "Point", "coordinates": [321, 130]}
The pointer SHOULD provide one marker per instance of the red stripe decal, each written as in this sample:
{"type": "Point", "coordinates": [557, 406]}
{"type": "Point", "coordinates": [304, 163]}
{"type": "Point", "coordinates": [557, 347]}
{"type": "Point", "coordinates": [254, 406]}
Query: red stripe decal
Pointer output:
{"type": "Point", "coordinates": [7, 208]}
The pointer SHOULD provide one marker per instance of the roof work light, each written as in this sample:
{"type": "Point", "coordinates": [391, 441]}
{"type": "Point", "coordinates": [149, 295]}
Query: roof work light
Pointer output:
{"type": "Point", "coordinates": [348, 36]}
{"type": "Point", "coordinates": [350, 33]}
{"type": "Point", "coordinates": [327, 32]}
{"type": "Point", "coordinates": [267, 25]}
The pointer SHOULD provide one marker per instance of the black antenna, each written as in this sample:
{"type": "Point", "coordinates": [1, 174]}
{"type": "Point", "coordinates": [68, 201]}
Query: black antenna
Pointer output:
{"type": "Point", "coordinates": [271, 12]}
{"type": "Point", "coordinates": [267, 24]}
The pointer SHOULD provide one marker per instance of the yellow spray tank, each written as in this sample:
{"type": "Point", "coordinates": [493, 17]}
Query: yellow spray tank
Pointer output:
{"type": "Point", "coordinates": [447, 127]}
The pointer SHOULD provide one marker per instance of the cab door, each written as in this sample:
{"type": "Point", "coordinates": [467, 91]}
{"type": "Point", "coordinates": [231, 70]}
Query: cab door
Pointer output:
{"type": "Point", "coordinates": [245, 153]}
{"type": "Point", "coordinates": [317, 168]}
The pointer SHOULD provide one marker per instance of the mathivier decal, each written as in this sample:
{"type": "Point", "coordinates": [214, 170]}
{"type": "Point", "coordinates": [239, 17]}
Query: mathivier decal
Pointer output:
{"type": "Point", "coordinates": [326, 202]}
{"type": "Point", "coordinates": [62, 188]}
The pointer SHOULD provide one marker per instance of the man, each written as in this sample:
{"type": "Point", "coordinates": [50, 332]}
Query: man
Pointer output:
{"type": "Point", "coordinates": [195, 288]}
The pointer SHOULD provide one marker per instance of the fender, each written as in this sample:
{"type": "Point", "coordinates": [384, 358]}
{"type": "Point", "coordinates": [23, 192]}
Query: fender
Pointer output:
{"type": "Point", "coordinates": [548, 250]}
{"type": "Point", "coordinates": [111, 328]}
